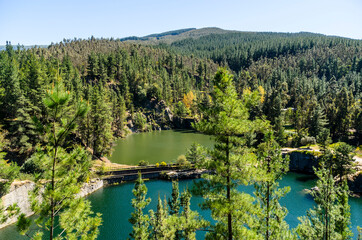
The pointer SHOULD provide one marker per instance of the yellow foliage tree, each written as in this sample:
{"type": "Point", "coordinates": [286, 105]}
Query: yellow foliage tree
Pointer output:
{"type": "Point", "coordinates": [188, 99]}
{"type": "Point", "coordinates": [262, 93]}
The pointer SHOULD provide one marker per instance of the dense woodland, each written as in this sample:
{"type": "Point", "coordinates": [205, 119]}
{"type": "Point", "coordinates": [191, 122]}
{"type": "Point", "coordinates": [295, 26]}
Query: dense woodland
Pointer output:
{"type": "Point", "coordinates": [289, 89]}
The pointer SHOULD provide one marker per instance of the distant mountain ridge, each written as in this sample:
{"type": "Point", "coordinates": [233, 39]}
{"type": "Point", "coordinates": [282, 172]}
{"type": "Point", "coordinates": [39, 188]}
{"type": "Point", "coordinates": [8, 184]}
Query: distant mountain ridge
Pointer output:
{"type": "Point", "coordinates": [176, 35]}
{"type": "Point", "coordinates": [172, 36]}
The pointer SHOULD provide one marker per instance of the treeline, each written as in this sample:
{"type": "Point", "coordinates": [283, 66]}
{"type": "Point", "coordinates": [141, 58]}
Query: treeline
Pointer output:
{"type": "Point", "coordinates": [319, 77]}
{"type": "Point", "coordinates": [246, 152]}
{"type": "Point", "coordinates": [311, 85]}
{"type": "Point", "coordinates": [122, 84]}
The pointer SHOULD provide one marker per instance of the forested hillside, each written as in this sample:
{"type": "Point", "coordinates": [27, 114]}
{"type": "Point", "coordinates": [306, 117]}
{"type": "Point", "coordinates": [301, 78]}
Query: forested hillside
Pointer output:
{"type": "Point", "coordinates": [61, 104]}
{"type": "Point", "coordinates": [318, 76]}
{"type": "Point", "coordinates": [311, 84]}
{"type": "Point", "coordinates": [118, 81]}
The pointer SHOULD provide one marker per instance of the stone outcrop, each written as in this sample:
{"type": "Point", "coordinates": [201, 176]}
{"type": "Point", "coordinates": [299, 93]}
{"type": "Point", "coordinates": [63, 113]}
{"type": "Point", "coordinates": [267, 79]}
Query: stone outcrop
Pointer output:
{"type": "Point", "coordinates": [91, 187]}
{"type": "Point", "coordinates": [183, 123]}
{"type": "Point", "coordinates": [302, 161]}
{"type": "Point", "coordinates": [19, 194]}
{"type": "Point", "coordinates": [355, 182]}
{"type": "Point", "coordinates": [184, 174]}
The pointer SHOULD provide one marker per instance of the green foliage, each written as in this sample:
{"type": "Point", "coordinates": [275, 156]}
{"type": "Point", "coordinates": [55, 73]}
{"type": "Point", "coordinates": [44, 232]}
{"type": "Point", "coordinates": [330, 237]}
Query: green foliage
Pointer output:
{"type": "Point", "coordinates": [183, 162]}
{"type": "Point", "coordinates": [316, 76]}
{"type": "Point", "coordinates": [8, 170]}
{"type": "Point", "coordinates": [175, 220]}
{"type": "Point", "coordinates": [140, 122]}
{"type": "Point", "coordinates": [329, 219]}
{"type": "Point", "coordinates": [340, 159]}
{"type": "Point", "coordinates": [163, 225]}
{"type": "Point", "coordinates": [307, 141]}
{"type": "Point", "coordinates": [138, 219]}
{"type": "Point", "coordinates": [100, 122]}
{"type": "Point", "coordinates": [143, 163]}
{"type": "Point", "coordinates": [343, 223]}
{"type": "Point", "coordinates": [64, 169]}
{"type": "Point", "coordinates": [270, 223]}
{"type": "Point", "coordinates": [190, 220]}
{"type": "Point", "coordinates": [232, 161]}
{"type": "Point", "coordinates": [318, 122]}
{"type": "Point", "coordinates": [195, 153]}
{"type": "Point", "coordinates": [174, 201]}
{"type": "Point", "coordinates": [181, 109]}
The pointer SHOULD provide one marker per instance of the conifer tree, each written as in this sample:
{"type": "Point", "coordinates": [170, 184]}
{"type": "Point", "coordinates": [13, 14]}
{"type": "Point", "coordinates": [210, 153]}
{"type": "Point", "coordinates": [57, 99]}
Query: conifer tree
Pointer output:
{"type": "Point", "coordinates": [175, 205]}
{"type": "Point", "coordinates": [177, 221]}
{"type": "Point", "coordinates": [231, 162]}
{"type": "Point", "coordinates": [195, 153]}
{"type": "Point", "coordinates": [24, 136]}
{"type": "Point", "coordinates": [190, 220]}
{"type": "Point", "coordinates": [321, 221]}
{"type": "Point", "coordinates": [101, 122]}
{"type": "Point", "coordinates": [174, 201]}
{"type": "Point", "coordinates": [66, 168]}
{"type": "Point", "coordinates": [159, 223]}
{"type": "Point", "coordinates": [118, 114]}
{"type": "Point", "coordinates": [343, 162]}
{"type": "Point", "coordinates": [343, 223]}
{"type": "Point", "coordinates": [317, 123]}
{"type": "Point", "coordinates": [270, 218]}
{"type": "Point", "coordinates": [139, 220]}
{"type": "Point", "coordinates": [10, 84]}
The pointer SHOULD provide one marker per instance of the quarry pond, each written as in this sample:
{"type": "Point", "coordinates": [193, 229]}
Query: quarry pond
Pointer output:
{"type": "Point", "coordinates": [156, 147]}
{"type": "Point", "coordinates": [114, 202]}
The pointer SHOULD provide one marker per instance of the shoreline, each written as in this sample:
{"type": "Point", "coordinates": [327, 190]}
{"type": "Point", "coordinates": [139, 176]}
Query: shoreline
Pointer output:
{"type": "Point", "coordinates": [302, 160]}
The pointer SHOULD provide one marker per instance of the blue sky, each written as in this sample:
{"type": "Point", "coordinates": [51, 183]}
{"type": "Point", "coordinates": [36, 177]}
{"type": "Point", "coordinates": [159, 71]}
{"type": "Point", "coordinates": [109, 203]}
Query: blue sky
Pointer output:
{"type": "Point", "coordinates": [44, 21]}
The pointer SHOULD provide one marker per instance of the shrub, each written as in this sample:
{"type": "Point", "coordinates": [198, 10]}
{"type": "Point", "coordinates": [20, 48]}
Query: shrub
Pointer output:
{"type": "Point", "coordinates": [163, 164]}
{"type": "Point", "coordinates": [182, 162]}
{"type": "Point", "coordinates": [33, 164]}
{"type": "Point", "coordinates": [140, 121]}
{"type": "Point", "coordinates": [157, 164]}
{"type": "Point", "coordinates": [305, 141]}
{"type": "Point", "coordinates": [195, 153]}
{"type": "Point", "coordinates": [143, 163]}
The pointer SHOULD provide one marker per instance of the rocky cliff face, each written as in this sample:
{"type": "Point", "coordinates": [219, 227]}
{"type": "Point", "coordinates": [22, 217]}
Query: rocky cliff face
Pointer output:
{"type": "Point", "coordinates": [355, 183]}
{"type": "Point", "coordinates": [19, 194]}
{"type": "Point", "coordinates": [302, 162]}
{"type": "Point", "coordinates": [90, 187]}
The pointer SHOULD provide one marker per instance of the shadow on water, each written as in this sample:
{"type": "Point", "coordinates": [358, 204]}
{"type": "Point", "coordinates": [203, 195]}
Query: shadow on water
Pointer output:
{"type": "Point", "coordinates": [309, 196]}
{"type": "Point", "coordinates": [306, 178]}
{"type": "Point", "coordinates": [185, 130]}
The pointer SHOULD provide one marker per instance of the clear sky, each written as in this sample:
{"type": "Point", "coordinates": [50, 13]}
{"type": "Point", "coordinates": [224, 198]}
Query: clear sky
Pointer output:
{"type": "Point", "coordinates": [40, 22]}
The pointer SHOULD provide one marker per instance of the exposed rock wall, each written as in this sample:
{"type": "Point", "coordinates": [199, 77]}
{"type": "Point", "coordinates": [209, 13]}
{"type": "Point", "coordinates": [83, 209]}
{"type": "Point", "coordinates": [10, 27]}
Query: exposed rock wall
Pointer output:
{"type": "Point", "coordinates": [19, 194]}
{"type": "Point", "coordinates": [90, 187]}
{"type": "Point", "coordinates": [355, 183]}
{"type": "Point", "coordinates": [302, 162]}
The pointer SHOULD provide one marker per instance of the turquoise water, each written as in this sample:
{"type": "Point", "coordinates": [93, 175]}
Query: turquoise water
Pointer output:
{"type": "Point", "coordinates": [115, 202]}
{"type": "Point", "coordinates": [116, 225]}
{"type": "Point", "coordinates": [115, 205]}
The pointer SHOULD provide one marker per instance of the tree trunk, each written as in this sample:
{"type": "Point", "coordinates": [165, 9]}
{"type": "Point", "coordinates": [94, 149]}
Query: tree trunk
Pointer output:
{"type": "Point", "coordinates": [228, 190]}
{"type": "Point", "coordinates": [268, 202]}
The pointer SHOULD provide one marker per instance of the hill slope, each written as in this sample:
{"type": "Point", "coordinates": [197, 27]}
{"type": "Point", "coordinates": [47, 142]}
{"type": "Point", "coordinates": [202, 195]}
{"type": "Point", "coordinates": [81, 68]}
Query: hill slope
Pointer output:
{"type": "Point", "coordinates": [176, 35]}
